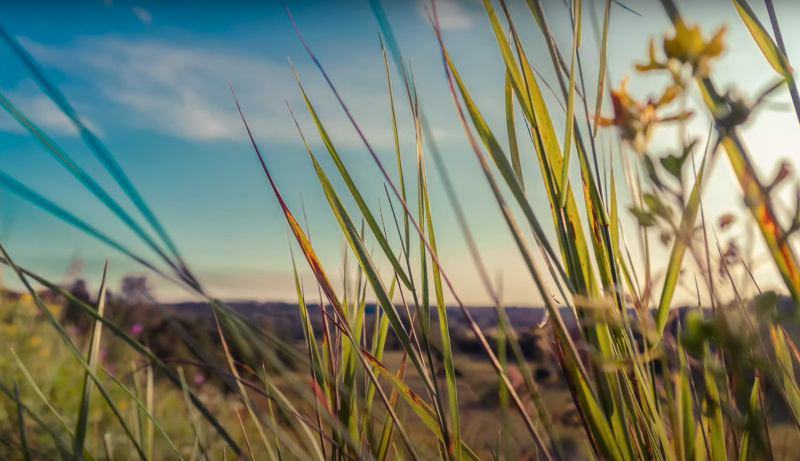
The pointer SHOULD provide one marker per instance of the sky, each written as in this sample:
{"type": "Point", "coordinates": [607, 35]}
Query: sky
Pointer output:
{"type": "Point", "coordinates": [151, 79]}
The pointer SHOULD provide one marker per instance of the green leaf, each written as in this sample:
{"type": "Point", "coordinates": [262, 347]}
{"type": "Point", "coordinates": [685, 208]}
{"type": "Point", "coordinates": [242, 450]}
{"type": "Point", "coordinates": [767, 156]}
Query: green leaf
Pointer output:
{"type": "Point", "coordinates": [645, 218]}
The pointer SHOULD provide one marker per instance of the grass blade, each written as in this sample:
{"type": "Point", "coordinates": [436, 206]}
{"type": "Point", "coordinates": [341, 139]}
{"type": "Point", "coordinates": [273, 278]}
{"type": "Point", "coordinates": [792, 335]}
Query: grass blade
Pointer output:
{"type": "Point", "coordinates": [773, 18]}
{"type": "Point", "coordinates": [324, 282]}
{"type": "Point", "coordinates": [354, 192]}
{"type": "Point", "coordinates": [601, 77]}
{"type": "Point", "coordinates": [576, 38]}
{"type": "Point", "coordinates": [774, 55]}
{"type": "Point", "coordinates": [23, 433]}
{"type": "Point", "coordinates": [750, 423]}
{"type": "Point", "coordinates": [94, 351]}
{"type": "Point", "coordinates": [148, 412]}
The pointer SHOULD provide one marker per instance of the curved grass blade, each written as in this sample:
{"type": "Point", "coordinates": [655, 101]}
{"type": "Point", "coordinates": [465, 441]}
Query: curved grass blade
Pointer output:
{"type": "Point", "coordinates": [93, 142]}
{"type": "Point", "coordinates": [774, 55]}
{"type": "Point", "coordinates": [322, 278]}
{"type": "Point", "coordinates": [71, 346]}
{"type": "Point", "coordinates": [130, 341]}
{"type": "Point", "coordinates": [22, 191]}
{"type": "Point", "coordinates": [365, 262]}
{"type": "Point", "coordinates": [354, 192]}
{"type": "Point", "coordinates": [84, 178]}
{"type": "Point", "coordinates": [86, 453]}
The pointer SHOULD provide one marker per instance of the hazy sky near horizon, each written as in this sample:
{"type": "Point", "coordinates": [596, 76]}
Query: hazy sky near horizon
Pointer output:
{"type": "Point", "coordinates": [152, 79]}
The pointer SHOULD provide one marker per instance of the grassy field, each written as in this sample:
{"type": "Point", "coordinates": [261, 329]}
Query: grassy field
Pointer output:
{"type": "Point", "coordinates": [724, 387]}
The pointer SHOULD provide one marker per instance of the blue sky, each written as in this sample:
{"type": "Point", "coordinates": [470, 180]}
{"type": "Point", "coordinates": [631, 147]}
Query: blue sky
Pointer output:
{"type": "Point", "coordinates": [152, 79]}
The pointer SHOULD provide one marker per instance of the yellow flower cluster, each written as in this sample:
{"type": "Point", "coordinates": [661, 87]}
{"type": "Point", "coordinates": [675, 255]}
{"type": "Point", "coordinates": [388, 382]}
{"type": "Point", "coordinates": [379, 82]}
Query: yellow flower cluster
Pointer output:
{"type": "Point", "coordinates": [636, 120]}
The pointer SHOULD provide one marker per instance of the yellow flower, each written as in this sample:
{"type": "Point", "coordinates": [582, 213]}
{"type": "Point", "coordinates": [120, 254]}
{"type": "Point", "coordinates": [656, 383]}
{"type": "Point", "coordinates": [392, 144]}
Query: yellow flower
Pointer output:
{"type": "Point", "coordinates": [44, 352]}
{"type": "Point", "coordinates": [9, 328]}
{"type": "Point", "coordinates": [653, 64]}
{"type": "Point", "coordinates": [636, 120]}
{"type": "Point", "coordinates": [35, 340]}
{"type": "Point", "coordinates": [688, 47]}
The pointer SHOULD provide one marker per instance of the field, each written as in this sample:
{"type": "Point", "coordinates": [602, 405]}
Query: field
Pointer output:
{"type": "Point", "coordinates": [618, 372]}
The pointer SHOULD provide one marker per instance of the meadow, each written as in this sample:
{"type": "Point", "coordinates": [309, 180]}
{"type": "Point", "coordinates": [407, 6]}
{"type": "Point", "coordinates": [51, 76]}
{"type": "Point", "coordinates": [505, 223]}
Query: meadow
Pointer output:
{"type": "Point", "coordinates": [630, 378]}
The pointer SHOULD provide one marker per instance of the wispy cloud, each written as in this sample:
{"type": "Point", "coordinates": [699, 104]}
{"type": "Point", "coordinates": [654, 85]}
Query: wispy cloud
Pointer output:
{"type": "Point", "coordinates": [143, 15]}
{"type": "Point", "coordinates": [40, 110]}
{"type": "Point", "coordinates": [182, 90]}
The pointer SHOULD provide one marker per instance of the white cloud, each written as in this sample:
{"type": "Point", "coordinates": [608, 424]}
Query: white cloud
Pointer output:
{"type": "Point", "coordinates": [37, 107]}
{"type": "Point", "coordinates": [182, 90]}
{"type": "Point", "coordinates": [143, 15]}
{"type": "Point", "coordinates": [453, 14]}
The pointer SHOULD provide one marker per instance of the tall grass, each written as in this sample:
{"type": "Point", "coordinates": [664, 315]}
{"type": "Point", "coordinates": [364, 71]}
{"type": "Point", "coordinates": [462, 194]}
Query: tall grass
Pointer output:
{"type": "Point", "coordinates": [640, 392]}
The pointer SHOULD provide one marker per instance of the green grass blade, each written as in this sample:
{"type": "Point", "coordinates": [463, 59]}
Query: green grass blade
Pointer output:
{"type": "Point", "coordinates": [138, 423]}
{"type": "Point", "coordinates": [580, 376]}
{"type": "Point", "coordinates": [109, 325]}
{"type": "Point", "coordinates": [82, 176]}
{"type": "Point", "coordinates": [712, 407]}
{"type": "Point", "coordinates": [444, 331]}
{"type": "Point", "coordinates": [148, 412]}
{"type": "Point", "coordinates": [513, 146]}
{"type": "Point", "coordinates": [41, 395]}
{"type": "Point", "coordinates": [786, 368]}
{"type": "Point", "coordinates": [93, 143]}
{"type": "Point", "coordinates": [198, 431]}
{"type": "Point", "coordinates": [325, 284]}
{"type": "Point", "coordinates": [355, 193]}
{"type": "Point", "coordinates": [771, 51]}
{"type": "Point", "coordinates": [149, 396]}
{"type": "Point", "coordinates": [678, 251]}
{"type": "Point", "coordinates": [685, 402]}
{"type": "Point", "coordinates": [23, 433]}
{"type": "Point", "coordinates": [422, 409]}
{"type": "Point", "coordinates": [400, 175]}
{"type": "Point", "coordinates": [750, 423]}
{"type": "Point", "coordinates": [242, 392]}
{"type": "Point", "coordinates": [357, 245]}
{"type": "Point", "coordinates": [601, 77]}
{"type": "Point", "coordinates": [773, 18]}
{"type": "Point", "coordinates": [94, 351]}
{"type": "Point", "coordinates": [549, 153]}
{"type": "Point", "coordinates": [576, 18]}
